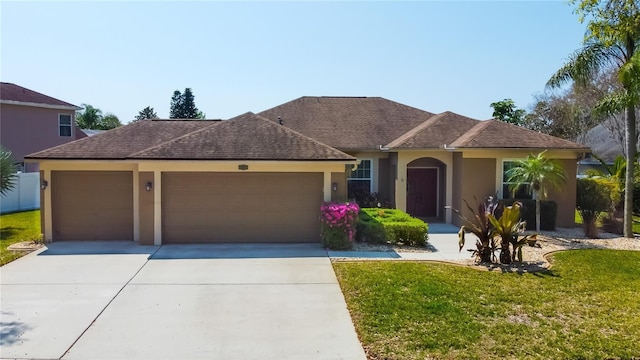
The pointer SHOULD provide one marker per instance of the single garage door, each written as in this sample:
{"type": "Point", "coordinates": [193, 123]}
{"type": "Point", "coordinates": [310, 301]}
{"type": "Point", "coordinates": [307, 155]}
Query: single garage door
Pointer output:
{"type": "Point", "coordinates": [241, 207]}
{"type": "Point", "coordinates": [92, 205]}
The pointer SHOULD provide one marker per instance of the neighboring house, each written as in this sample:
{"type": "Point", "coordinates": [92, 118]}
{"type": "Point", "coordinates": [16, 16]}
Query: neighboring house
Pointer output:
{"type": "Point", "coordinates": [31, 121]}
{"type": "Point", "coordinates": [83, 133]}
{"type": "Point", "coordinates": [261, 177]}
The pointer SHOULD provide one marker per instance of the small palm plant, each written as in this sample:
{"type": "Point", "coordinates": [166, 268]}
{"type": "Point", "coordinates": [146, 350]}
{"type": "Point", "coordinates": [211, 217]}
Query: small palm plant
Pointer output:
{"type": "Point", "coordinates": [508, 228]}
{"type": "Point", "coordinates": [8, 171]}
{"type": "Point", "coordinates": [539, 173]}
{"type": "Point", "coordinates": [481, 227]}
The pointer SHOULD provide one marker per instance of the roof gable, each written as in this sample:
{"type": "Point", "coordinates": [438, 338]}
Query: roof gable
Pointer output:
{"type": "Point", "coordinates": [499, 134]}
{"type": "Point", "coordinates": [348, 123]}
{"type": "Point", "coordinates": [437, 131]}
{"type": "Point", "coordinates": [245, 137]}
{"type": "Point", "coordinates": [18, 95]}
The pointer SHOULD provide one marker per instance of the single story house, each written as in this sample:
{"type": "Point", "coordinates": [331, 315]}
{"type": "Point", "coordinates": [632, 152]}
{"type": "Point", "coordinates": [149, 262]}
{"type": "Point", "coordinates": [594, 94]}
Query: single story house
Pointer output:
{"type": "Point", "coordinates": [261, 177]}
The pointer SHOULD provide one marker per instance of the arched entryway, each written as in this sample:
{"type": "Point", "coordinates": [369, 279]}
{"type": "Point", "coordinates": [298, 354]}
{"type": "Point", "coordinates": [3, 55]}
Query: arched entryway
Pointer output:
{"type": "Point", "coordinates": [426, 188]}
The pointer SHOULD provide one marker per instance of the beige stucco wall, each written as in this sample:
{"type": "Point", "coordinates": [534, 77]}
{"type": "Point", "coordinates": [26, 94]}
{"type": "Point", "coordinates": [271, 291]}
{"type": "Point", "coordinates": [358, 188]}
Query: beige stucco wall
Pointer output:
{"type": "Point", "coordinates": [565, 197]}
{"type": "Point", "coordinates": [475, 180]}
{"type": "Point", "coordinates": [146, 200]}
{"type": "Point", "coordinates": [340, 179]}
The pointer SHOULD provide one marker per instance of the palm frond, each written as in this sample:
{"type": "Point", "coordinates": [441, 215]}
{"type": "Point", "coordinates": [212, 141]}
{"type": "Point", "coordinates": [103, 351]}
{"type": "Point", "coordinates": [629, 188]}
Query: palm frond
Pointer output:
{"type": "Point", "coordinates": [583, 65]}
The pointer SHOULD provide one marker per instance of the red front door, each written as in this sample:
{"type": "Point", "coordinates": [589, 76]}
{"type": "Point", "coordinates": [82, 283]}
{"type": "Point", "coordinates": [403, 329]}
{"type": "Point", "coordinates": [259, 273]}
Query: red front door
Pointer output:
{"type": "Point", "coordinates": [422, 192]}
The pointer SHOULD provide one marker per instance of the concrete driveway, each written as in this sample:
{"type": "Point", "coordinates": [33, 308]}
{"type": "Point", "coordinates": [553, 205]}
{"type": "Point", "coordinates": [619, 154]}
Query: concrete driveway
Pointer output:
{"type": "Point", "coordinates": [119, 300]}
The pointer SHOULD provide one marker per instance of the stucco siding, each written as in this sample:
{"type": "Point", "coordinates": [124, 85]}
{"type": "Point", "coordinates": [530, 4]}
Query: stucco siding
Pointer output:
{"type": "Point", "coordinates": [146, 208]}
{"type": "Point", "coordinates": [340, 179]}
{"type": "Point", "coordinates": [565, 197]}
{"type": "Point", "coordinates": [25, 130]}
{"type": "Point", "coordinates": [477, 179]}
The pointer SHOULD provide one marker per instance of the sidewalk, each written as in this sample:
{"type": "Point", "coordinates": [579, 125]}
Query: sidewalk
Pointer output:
{"type": "Point", "coordinates": [442, 246]}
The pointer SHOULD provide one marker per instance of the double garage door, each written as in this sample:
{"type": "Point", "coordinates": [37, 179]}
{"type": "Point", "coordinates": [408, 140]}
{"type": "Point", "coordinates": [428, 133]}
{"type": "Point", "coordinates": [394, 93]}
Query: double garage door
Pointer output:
{"type": "Point", "coordinates": [196, 207]}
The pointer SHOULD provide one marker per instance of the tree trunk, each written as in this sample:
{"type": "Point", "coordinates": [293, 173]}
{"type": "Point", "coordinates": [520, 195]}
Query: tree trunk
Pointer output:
{"type": "Point", "coordinates": [505, 254]}
{"type": "Point", "coordinates": [535, 195]}
{"type": "Point", "coordinates": [630, 142]}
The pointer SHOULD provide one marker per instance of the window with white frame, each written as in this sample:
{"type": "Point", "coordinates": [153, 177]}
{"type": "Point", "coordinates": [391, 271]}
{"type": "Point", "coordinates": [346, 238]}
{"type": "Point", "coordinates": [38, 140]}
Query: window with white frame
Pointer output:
{"type": "Point", "coordinates": [64, 125]}
{"type": "Point", "coordinates": [360, 180]}
{"type": "Point", "coordinates": [521, 193]}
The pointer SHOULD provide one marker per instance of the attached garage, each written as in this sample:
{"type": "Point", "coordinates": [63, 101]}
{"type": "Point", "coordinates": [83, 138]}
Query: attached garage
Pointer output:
{"type": "Point", "coordinates": [204, 207]}
{"type": "Point", "coordinates": [92, 205]}
{"type": "Point", "coordinates": [243, 180]}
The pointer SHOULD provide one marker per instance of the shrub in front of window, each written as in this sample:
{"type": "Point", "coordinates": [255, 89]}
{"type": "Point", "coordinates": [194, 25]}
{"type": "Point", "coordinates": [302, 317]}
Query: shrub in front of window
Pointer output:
{"type": "Point", "coordinates": [338, 224]}
{"type": "Point", "coordinates": [380, 226]}
{"type": "Point", "coordinates": [593, 198]}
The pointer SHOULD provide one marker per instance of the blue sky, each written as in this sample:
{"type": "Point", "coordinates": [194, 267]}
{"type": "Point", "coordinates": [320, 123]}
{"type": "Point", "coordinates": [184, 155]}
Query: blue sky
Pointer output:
{"type": "Point", "coordinates": [251, 56]}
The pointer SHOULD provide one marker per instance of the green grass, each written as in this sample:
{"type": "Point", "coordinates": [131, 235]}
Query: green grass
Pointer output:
{"type": "Point", "coordinates": [585, 307]}
{"type": "Point", "coordinates": [17, 227]}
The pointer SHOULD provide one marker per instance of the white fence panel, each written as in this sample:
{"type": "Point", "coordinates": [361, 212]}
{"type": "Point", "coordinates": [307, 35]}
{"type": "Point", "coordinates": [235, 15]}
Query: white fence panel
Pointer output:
{"type": "Point", "coordinates": [24, 196]}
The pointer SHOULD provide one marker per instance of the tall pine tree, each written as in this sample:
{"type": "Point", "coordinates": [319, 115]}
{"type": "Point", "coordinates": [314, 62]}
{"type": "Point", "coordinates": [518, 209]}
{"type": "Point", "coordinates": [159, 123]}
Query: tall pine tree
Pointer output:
{"type": "Point", "coordinates": [183, 106]}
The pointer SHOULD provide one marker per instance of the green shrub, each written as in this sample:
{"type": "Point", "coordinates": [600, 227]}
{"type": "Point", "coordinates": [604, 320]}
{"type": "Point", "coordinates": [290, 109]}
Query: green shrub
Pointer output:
{"type": "Point", "coordinates": [593, 198]}
{"type": "Point", "coordinates": [548, 213]}
{"type": "Point", "coordinates": [379, 226]}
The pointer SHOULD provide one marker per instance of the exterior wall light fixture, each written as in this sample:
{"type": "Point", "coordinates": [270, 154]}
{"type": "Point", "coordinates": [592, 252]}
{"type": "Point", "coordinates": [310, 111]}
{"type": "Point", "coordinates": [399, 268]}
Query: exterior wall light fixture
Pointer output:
{"type": "Point", "coordinates": [44, 184]}
{"type": "Point", "coordinates": [334, 186]}
{"type": "Point", "coordinates": [149, 186]}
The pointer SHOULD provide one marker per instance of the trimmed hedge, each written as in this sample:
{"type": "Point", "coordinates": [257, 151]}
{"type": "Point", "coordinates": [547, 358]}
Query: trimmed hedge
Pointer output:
{"type": "Point", "coordinates": [548, 213]}
{"type": "Point", "coordinates": [379, 226]}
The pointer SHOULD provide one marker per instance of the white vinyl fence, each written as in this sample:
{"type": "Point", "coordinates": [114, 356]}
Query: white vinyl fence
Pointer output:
{"type": "Point", "coordinates": [24, 196]}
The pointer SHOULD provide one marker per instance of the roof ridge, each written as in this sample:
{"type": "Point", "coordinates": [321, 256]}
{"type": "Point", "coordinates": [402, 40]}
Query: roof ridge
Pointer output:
{"type": "Point", "coordinates": [174, 139]}
{"type": "Point", "coordinates": [37, 92]}
{"type": "Point", "coordinates": [409, 134]}
{"type": "Point", "coordinates": [471, 133]}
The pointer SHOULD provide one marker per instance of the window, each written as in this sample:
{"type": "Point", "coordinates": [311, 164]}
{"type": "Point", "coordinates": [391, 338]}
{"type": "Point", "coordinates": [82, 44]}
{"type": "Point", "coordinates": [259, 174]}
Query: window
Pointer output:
{"type": "Point", "coordinates": [523, 190]}
{"type": "Point", "coordinates": [64, 125]}
{"type": "Point", "coordinates": [359, 180]}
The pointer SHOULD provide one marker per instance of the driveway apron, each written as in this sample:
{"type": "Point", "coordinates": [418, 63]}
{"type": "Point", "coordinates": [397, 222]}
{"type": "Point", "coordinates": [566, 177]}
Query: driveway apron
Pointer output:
{"type": "Point", "coordinates": [223, 302]}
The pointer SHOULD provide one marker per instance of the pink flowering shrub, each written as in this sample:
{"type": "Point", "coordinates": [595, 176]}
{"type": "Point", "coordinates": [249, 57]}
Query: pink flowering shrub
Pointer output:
{"type": "Point", "coordinates": [338, 224]}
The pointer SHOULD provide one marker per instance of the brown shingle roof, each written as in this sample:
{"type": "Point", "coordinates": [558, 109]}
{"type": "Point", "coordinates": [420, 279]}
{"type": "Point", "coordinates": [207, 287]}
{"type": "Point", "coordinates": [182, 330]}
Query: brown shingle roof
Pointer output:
{"type": "Point", "coordinates": [123, 141]}
{"type": "Point", "coordinates": [13, 93]}
{"type": "Point", "coordinates": [245, 137]}
{"type": "Point", "coordinates": [499, 134]}
{"type": "Point", "coordinates": [437, 131]}
{"type": "Point", "coordinates": [348, 123]}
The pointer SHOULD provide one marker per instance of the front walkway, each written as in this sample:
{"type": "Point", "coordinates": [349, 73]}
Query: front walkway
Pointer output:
{"type": "Point", "coordinates": [442, 246]}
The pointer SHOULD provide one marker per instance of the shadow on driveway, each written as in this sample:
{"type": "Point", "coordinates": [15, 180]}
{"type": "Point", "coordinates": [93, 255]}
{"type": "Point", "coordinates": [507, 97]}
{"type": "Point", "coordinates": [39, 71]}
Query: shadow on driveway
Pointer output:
{"type": "Point", "coordinates": [186, 251]}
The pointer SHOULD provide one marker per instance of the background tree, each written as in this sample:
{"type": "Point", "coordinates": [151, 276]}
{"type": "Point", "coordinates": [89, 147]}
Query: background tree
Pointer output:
{"type": "Point", "coordinates": [146, 113]}
{"type": "Point", "coordinates": [506, 111]}
{"type": "Point", "coordinates": [92, 118]}
{"type": "Point", "coordinates": [611, 42]}
{"type": "Point", "coordinates": [89, 117]}
{"type": "Point", "coordinates": [183, 106]}
{"type": "Point", "coordinates": [109, 121]}
{"type": "Point", "coordinates": [538, 173]}
{"type": "Point", "coordinates": [8, 171]}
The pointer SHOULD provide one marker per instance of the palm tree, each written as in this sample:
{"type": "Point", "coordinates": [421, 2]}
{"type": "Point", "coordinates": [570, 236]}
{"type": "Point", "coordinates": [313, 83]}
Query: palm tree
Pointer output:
{"type": "Point", "coordinates": [611, 42]}
{"type": "Point", "coordinates": [89, 118]}
{"type": "Point", "coordinates": [538, 173]}
{"type": "Point", "coordinates": [8, 171]}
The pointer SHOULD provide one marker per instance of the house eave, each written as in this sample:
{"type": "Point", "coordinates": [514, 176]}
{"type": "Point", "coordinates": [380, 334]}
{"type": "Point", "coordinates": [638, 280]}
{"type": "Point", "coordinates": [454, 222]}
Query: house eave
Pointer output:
{"type": "Point", "coordinates": [41, 105]}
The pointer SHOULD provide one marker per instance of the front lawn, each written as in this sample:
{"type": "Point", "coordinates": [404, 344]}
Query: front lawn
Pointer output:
{"type": "Point", "coordinates": [586, 306]}
{"type": "Point", "coordinates": [17, 227]}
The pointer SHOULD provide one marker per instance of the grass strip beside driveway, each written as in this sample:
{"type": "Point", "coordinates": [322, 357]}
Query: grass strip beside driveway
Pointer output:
{"type": "Point", "coordinates": [15, 228]}
{"type": "Point", "coordinates": [585, 307]}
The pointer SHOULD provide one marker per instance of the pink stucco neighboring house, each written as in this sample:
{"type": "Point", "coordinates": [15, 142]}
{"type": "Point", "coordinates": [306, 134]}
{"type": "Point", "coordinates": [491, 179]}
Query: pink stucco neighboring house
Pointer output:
{"type": "Point", "coordinates": [31, 122]}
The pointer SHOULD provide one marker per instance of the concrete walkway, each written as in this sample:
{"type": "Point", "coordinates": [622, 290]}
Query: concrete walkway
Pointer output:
{"type": "Point", "coordinates": [442, 246]}
{"type": "Point", "coordinates": [119, 300]}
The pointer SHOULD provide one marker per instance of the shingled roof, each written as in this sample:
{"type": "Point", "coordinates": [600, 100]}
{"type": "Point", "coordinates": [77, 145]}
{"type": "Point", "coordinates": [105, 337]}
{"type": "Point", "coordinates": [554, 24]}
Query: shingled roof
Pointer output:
{"type": "Point", "coordinates": [246, 137]}
{"type": "Point", "coordinates": [348, 123]}
{"type": "Point", "coordinates": [15, 94]}
{"type": "Point", "coordinates": [123, 141]}
{"type": "Point", "coordinates": [498, 134]}
{"type": "Point", "coordinates": [437, 131]}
